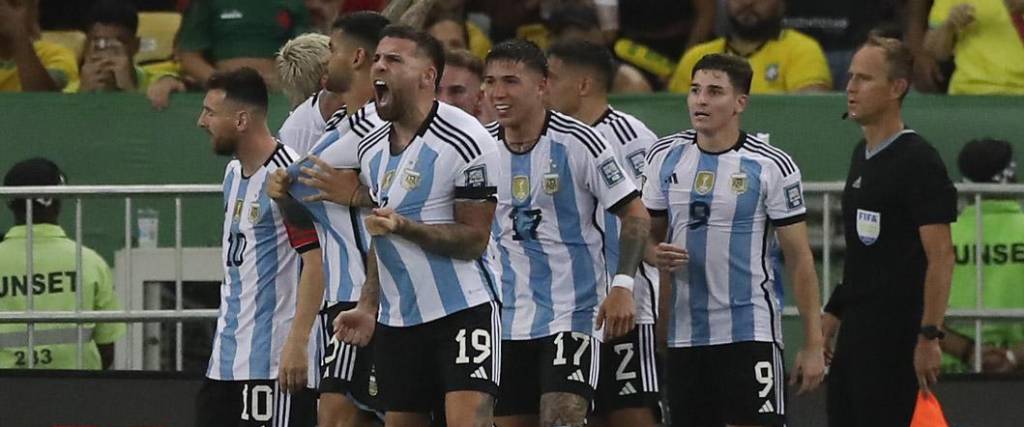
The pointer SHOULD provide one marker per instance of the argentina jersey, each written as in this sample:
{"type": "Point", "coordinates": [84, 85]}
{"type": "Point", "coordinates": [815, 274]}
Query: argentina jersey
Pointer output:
{"type": "Point", "coordinates": [722, 208]}
{"type": "Point", "coordinates": [631, 139]}
{"type": "Point", "coordinates": [343, 237]}
{"type": "Point", "coordinates": [304, 125]}
{"type": "Point", "coordinates": [550, 257]}
{"type": "Point", "coordinates": [451, 157]}
{"type": "Point", "coordinates": [261, 274]}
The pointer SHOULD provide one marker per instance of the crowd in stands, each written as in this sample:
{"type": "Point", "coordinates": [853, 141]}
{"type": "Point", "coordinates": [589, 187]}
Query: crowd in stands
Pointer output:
{"type": "Point", "coordinates": [161, 47]}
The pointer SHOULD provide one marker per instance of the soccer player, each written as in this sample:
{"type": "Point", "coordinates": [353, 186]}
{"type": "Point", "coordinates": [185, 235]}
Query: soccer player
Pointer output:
{"type": "Point", "coordinates": [261, 269]}
{"type": "Point", "coordinates": [579, 75]}
{"type": "Point", "coordinates": [717, 194]}
{"type": "Point", "coordinates": [556, 173]}
{"type": "Point", "coordinates": [898, 204]}
{"type": "Point", "coordinates": [302, 65]}
{"type": "Point", "coordinates": [347, 388]}
{"type": "Point", "coordinates": [431, 171]}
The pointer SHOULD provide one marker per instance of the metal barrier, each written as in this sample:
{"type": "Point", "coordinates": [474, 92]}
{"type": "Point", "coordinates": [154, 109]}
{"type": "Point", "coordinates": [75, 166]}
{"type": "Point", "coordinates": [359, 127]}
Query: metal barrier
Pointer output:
{"type": "Point", "coordinates": [828, 191]}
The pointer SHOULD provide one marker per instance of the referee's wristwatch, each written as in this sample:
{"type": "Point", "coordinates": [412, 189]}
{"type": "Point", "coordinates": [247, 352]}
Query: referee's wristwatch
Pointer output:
{"type": "Point", "coordinates": [932, 332]}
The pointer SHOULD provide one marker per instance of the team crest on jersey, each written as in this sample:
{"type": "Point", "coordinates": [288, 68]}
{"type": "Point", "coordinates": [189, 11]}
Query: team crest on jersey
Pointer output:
{"type": "Point", "coordinates": [771, 73]}
{"type": "Point", "coordinates": [236, 213]}
{"type": "Point", "coordinates": [520, 187]}
{"type": "Point", "coordinates": [611, 172]}
{"type": "Point", "coordinates": [704, 182]}
{"type": "Point", "coordinates": [738, 182]}
{"type": "Point", "coordinates": [869, 226]}
{"type": "Point", "coordinates": [254, 212]}
{"type": "Point", "coordinates": [386, 181]}
{"type": "Point", "coordinates": [411, 179]}
{"type": "Point", "coordinates": [551, 183]}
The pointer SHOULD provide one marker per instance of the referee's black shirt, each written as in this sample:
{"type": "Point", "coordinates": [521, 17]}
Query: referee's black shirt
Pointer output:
{"type": "Point", "coordinates": [887, 197]}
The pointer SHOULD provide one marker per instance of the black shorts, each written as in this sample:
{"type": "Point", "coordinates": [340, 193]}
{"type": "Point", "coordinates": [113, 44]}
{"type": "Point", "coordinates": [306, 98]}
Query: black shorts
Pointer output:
{"type": "Point", "coordinates": [629, 373]}
{"type": "Point", "coordinates": [418, 365]}
{"type": "Point", "coordinates": [739, 384]}
{"type": "Point", "coordinates": [566, 362]}
{"type": "Point", "coordinates": [346, 369]}
{"type": "Point", "coordinates": [253, 403]}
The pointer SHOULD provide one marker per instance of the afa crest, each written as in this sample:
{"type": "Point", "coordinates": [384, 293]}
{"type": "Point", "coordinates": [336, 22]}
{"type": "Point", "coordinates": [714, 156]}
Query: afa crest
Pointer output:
{"type": "Point", "coordinates": [738, 183]}
{"type": "Point", "coordinates": [254, 212]}
{"type": "Point", "coordinates": [704, 182]}
{"type": "Point", "coordinates": [551, 183]}
{"type": "Point", "coordinates": [520, 187]}
{"type": "Point", "coordinates": [411, 179]}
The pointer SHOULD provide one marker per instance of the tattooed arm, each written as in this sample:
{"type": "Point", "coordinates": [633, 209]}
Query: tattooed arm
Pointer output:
{"type": "Point", "coordinates": [636, 229]}
{"type": "Point", "coordinates": [466, 239]}
{"type": "Point", "coordinates": [356, 326]}
{"type": "Point", "coordinates": [563, 409]}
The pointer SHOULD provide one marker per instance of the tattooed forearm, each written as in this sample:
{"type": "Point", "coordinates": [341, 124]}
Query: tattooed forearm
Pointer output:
{"type": "Point", "coordinates": [632, 244]}
{"type": "Point", "coordinates": [451, 240]}
{"type": "Point", "coordinates": [563, 409]}
{"type": "Point", "coordinates": [370, 294]}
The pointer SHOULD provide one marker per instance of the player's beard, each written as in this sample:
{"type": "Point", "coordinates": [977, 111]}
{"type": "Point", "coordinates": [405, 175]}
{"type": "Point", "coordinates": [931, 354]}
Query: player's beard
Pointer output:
{"type": "Point", "coordinates": [394, 108]}
{"type": "Point", "coordinates": [224, 146]}
{"type": "Point", "coordinates": [338, 81]}
{"type": "Point", "coordinates": [765, 29]}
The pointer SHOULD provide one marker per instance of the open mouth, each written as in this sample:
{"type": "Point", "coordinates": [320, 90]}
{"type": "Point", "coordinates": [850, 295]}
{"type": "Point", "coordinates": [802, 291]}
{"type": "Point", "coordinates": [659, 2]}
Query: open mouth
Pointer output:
{"type": "Point", "coordinates": [381, 91]}
{"type": "Point", "coordinates": [501, 108]}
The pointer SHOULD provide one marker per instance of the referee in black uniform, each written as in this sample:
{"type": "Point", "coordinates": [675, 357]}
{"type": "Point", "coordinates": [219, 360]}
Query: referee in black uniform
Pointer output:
{"type": "Point", "coordinates": [897, 206]}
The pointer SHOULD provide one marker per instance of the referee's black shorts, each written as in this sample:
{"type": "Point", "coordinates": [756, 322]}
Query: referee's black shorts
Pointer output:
{"type": "Point", "coordinates": [871, 381]}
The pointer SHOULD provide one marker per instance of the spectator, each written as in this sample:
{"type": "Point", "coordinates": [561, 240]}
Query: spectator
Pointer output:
{"type": "Point", "coordinates": [460, 84]}
{"type": "Point", "coordinates": [579, 22]}
{"type": "Point", "coordinates": [322, 14]}
{"type": "Point", "coordinates": [840, 26]}
{"type": "Point", "coordinates": [450, 20]}
{"type": "Point", "coordinates": [230, 34]}
{"type": "Point", "coordinates": [988, 44]}
{"type": "Point", "coordinates": [784, 60]}
{"type": "Point", "coordinates": [302, 65]}
{"type": "Point", "coordinates": [930, 75]}
{"type": "Point", "coordinates": [28, 64]}
{"type": "Point", "coordinates": [54, 283]}
{"type": "Point", "coordinates": [111, 43]}
{"type": "Point", "coordinates": [668, 27]}
{"type": "Point", "coordinates": [1002, 259]}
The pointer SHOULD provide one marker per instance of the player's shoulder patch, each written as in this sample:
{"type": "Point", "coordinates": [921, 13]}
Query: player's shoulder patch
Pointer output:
{"type": "Point", "coordinates": [611, 172]}
{"type": "Point", "coordinates": [794, 196]}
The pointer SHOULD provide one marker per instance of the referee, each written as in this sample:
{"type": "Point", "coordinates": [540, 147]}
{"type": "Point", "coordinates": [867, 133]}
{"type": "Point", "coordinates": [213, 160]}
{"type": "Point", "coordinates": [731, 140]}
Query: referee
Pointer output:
{"type": "Point", "coordinates": [897, 206]}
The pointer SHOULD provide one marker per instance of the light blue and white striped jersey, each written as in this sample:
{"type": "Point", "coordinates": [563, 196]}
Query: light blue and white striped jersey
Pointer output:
{"type": "Point", "coordinates": [261, 274]}
{"type": "Point", "coordinates": [451, 157]}
{"type": "Point", "coordinates": [722, 208]}
{"type": "Point", "coordinates": [343, 237]}
{"type": "Point", "coordinates": [631, 139]}
{"type": "Point", "coordinates": [304, 125]}
{"type": "Point", "coordinates": [550, 255]}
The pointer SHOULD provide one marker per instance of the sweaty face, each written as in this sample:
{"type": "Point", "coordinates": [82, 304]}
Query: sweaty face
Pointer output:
{"type": "Point", "coordinates": [450, 34]}
{"type": "Point", "coordinates": [339, 65]}
{"type": "Point", "coordinates": [563, 83]}
{"type": "Point", "coordinates": [755, 19]}
{"type": "Point", "coordinates": [515, 91]}
{"type": "Point", "coordinates": [219, 119]}
{"type": "Point", "coordinates": [461, 88]}
{"type": "Point", "coordinates": [399, 72]}
{"type": "Point", "coordinates": [869, 90]}
{"type": "Point", "coordinates": [713, 101]}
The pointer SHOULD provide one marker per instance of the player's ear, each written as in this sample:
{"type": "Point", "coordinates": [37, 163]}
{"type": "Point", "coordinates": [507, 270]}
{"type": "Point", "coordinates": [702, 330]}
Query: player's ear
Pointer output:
{"type": "Point", "coordinates": [359, 57]}
{"type": "Point", "coordinates": [242, 120]}
{"type": "Point", "coordinates": [584, 86]}
{"type": "Point", "coordinates": [899, 87]}
{"type": "Point", "coordinates": [741, 104]}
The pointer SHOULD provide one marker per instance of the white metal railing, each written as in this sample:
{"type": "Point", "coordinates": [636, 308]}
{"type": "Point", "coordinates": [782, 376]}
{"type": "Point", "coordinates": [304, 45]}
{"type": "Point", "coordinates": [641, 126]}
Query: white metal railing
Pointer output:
{"type": "Point", "coordinates": [827, 190]}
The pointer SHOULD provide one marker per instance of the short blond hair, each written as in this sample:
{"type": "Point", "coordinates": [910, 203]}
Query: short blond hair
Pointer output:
{"type": "Point", "coordinates": [301, 63]}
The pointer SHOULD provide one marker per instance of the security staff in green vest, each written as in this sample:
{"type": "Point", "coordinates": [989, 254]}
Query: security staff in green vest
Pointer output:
{"type": "Point", "coordinates": [53, 284]}
{"type": "Point", "coordinates": [1002, 259]}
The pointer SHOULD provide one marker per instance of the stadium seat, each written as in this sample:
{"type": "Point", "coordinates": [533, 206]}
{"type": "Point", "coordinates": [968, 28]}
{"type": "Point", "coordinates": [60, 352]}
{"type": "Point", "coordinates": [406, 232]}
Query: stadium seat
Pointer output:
{"type": "Point", "coordinates": [74, 40]}
{"type": "Point", "coordinates": [156, 33]}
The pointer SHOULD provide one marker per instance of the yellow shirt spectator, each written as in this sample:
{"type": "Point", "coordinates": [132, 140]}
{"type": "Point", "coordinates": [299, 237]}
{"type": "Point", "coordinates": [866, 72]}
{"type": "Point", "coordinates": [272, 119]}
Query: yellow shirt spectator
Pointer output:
{"type": "Point", "coordinates": [989, 54]}
{"type": "Point", "coordinates": [789, 63]}
{"type": "Point", "coordinates": [58, 60]}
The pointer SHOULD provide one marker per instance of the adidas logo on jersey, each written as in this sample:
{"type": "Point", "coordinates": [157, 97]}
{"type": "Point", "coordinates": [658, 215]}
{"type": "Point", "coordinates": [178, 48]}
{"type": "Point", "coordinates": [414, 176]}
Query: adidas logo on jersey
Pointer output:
{"type": "Point", "coordinates": [627, 389]}
{"type": "Point", "coordinates": [479, 374]}
{"type": "Point", "coordinates": [767, 408]}
{"type": "Point", "coordinates": [577, 376]}
{"type": "Point", "coordinates": [856, 183]}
